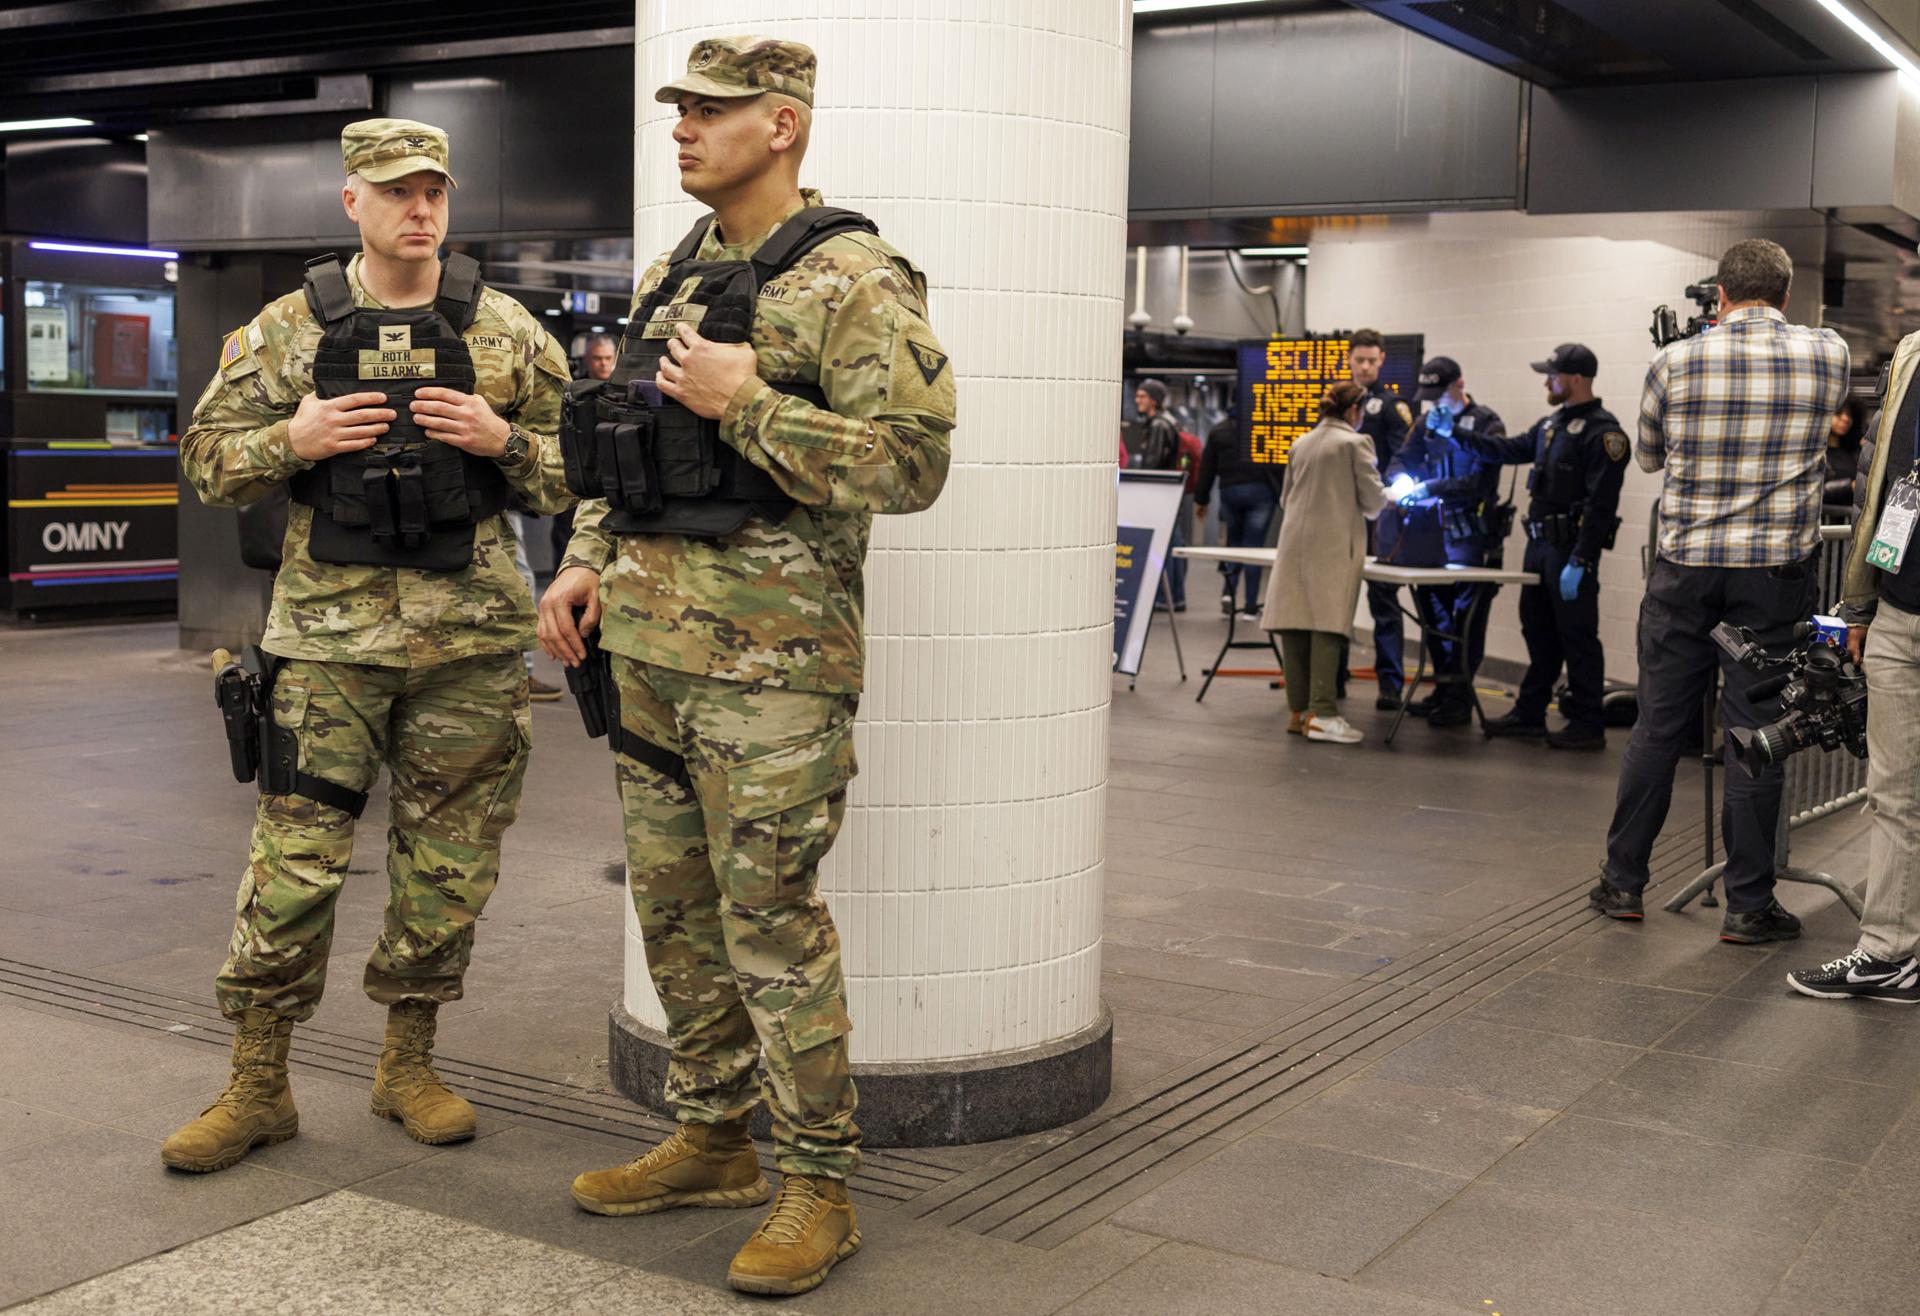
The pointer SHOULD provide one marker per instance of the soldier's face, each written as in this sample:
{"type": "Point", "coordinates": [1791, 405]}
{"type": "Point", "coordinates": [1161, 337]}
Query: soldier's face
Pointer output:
{"type": "Point", "coordinates": [403, 218]}
{"type": "Point", "coordinates": [722, 144]}
{"type": "Point", "coordinates": [1556, 389]}
{"type": "Point", "coordinates": [1365, 363]}
{"type": "Point", "coordinates": [600, 361]}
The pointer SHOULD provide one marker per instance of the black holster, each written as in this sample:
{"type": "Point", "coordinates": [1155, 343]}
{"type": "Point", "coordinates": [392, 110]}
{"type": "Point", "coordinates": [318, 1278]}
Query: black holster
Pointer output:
{"type": "Point", "coordinates": [599, 699]}
{"type": "Point", "coordinates": [258, 746]}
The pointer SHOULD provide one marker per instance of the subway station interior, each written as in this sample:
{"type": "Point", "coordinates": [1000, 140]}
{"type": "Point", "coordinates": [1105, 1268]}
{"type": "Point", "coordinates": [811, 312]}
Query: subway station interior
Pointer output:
{"type": "Point", "coordinates": [1112, 940]}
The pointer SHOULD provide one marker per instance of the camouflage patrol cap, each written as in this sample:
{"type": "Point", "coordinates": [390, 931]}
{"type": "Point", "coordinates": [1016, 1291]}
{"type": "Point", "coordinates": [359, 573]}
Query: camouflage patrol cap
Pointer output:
{"type": "Point", "coordinates": [728, 68]}
{"type": "Point", "coordinates": [381, 150]}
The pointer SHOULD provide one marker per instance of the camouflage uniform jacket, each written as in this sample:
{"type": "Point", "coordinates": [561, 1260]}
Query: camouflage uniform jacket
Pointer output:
{"type": "Point", "coordinates": [781, 604]}
{"type": "Point", "coordinates": [237, 449]}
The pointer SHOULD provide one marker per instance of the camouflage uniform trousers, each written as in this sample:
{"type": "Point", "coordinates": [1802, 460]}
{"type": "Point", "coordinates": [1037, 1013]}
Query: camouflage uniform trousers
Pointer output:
{"type": "Point", "coordinates": [724, 875]}
{"type": "Point", "coordinates": [455, 738]}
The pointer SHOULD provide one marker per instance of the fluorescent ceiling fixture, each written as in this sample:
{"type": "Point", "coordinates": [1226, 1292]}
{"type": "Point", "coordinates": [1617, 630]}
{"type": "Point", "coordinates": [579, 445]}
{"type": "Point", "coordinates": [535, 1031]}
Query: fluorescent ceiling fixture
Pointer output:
{"type": "Point", "coordinates": [87, 250]}
{"type": "Point", "coordinates": [26, 125]}
{"type": "Point", "coordinates": [1169, 6]}
{"type": "Point", "coordinates": [1274, 251]}
{"type": "Point", "coordinates": [1881, 46]}
{"type": "Point", "coordinates": [139, 137]}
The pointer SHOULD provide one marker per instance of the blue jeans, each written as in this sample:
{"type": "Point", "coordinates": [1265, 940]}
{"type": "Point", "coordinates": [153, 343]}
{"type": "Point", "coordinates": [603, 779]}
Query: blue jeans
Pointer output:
{"type": "Point", "coordinates": [1246, 510]}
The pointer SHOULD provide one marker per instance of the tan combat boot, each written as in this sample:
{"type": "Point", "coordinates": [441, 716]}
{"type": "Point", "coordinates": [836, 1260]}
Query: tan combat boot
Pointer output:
{"type": "Point", "coordinates": [698, 1165]}
{"type": "Point", "coordinates": [405, 1088]}
{"type": "Point", "coordinates": [810, 1230]}
{"type": "Point", "coordinates": [257, 1107]}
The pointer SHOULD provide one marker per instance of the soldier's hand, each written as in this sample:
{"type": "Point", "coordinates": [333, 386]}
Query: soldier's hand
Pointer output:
{"type": "Point", "coordinates": [702, 375]}
{"type": "Point", "coordinates": [327, 427]}
{"type": "Point", "coordinates": [461, 420]}
{"type": "Point", "coordinates": [1857, 645]}
{"type": "Point", "coordinates": [576, 587]}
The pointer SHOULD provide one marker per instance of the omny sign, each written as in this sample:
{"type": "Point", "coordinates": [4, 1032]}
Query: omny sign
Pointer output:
{"type": "Point", "coordinates": [83, 536]}
{"type": "Point", "coordinates": [89, 525]}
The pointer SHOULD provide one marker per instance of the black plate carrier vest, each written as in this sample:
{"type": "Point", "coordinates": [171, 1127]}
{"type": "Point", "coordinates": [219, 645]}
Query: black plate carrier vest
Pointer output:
{"type": "Point", "coordinates": [409, 500]}
{"type": "Point", "coordinates": [661, 468]}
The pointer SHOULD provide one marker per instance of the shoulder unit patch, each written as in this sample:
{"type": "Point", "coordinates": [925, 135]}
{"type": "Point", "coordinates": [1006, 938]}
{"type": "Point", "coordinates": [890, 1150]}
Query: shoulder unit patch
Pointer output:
{"type": "Point", "coordinates": [930, 361]}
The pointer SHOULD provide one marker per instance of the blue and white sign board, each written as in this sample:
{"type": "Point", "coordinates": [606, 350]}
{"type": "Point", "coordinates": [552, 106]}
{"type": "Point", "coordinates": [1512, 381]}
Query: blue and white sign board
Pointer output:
{"type": "Point", "coordinates": [1149, 502]}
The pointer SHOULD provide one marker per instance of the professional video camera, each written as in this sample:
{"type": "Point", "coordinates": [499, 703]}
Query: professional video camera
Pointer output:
{"type": "Point", "coordinates": [1823, 689]}
{"type": "Point", "coordinates": [1666, 323]}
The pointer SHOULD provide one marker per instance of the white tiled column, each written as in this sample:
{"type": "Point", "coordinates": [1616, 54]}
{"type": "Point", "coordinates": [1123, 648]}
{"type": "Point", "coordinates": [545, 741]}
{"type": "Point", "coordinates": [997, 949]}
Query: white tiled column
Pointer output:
{"type": "Point", "coordinates": [989, 142]}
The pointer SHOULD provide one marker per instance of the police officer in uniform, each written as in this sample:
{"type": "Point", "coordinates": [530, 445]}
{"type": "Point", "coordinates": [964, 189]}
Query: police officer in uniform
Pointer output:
{"type": "Point", "coordinates": [1579, 456]}
{"type": "Point", "coordinates": [1385, 417]}
{"type": "Point", "coordinates": [401, 402]}
{"type": "Point", "coordinates": [731, 615]}
{"type": "Point", "coordinates": [1440, 456]}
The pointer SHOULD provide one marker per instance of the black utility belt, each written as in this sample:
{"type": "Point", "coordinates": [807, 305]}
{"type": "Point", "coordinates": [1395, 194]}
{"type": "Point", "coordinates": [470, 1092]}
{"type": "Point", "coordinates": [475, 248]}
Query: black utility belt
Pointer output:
{"type": "Point", "coordinates": [1561, 529]}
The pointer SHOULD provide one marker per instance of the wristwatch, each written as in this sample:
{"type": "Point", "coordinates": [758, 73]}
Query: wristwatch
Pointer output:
{"type": "Point", "coordinates": [517, 448]}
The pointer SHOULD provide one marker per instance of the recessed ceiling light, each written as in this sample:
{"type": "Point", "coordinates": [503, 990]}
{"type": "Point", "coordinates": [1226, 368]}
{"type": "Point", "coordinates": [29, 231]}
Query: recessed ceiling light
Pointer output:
{"type": "Point", "coordinates": [28, 125]}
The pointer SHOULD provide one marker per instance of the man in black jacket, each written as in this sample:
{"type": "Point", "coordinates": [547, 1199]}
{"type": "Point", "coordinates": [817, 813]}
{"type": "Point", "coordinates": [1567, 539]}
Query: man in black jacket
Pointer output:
{"type": "Point", "coordinates": [1579, 456]}
{"type": "Point", "coordinates": [1385, 417]}
{"type": "Point", "coordinates": [1249, 491]}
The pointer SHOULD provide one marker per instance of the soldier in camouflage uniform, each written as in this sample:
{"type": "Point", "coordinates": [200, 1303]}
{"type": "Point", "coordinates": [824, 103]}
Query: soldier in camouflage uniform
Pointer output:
{"type": "Point", "coordinates": [418, 669]}
{"type": "Point", "coordinates": [743, 656]}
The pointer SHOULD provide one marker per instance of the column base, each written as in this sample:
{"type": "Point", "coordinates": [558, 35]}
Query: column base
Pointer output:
{"type": "Point", "coordinates": [938, 1103]}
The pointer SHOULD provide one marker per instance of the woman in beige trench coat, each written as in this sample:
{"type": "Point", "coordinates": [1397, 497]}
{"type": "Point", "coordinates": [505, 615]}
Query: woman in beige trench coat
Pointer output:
{"type": "Point", "coordinates": [1332, 490]}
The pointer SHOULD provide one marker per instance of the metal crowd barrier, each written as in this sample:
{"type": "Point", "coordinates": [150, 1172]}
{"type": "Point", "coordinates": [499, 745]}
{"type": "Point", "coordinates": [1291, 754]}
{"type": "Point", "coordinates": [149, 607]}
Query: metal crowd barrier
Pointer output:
{"type": "Point", "coordinates": [1818, 781]}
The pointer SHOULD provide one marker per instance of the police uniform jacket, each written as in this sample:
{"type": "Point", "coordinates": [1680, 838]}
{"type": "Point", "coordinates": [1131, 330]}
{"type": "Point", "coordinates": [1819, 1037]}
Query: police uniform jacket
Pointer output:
{"type": "Point", "coordinates": [1579, 455]}
{"type": "Point", "coordinates": [1385, 418]}
{"type": "Point", "coordinates": [236, 449]}
{"type": "Point", "coordinates": [781, 603]}
{"type": "Point", "coordinates": [1453, 468]}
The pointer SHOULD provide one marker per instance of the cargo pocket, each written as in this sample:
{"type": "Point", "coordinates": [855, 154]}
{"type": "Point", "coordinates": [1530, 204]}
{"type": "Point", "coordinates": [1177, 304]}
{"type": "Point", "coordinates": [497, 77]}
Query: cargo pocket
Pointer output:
{"type": "Point", "coordinates": [504, 806]}
{"type": "Point", "coordinates": [783, 811]}
{"type": "Point", "coordinates": [292, 697]}
{"type": "Point", "coordinates": [814, 1023]}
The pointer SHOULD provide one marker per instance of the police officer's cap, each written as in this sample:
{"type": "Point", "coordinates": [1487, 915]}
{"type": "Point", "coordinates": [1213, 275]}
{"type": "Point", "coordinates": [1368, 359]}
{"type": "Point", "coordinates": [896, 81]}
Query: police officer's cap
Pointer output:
{"type": "Point", "coordinates": [1436, 377]}
{"type": "Point", "coordinates": [1570, 359]}
{"type": "Point", "coordinates": [729, 68]}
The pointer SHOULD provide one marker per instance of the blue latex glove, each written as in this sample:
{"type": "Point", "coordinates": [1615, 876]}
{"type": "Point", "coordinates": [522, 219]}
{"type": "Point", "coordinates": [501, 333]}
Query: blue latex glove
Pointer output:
{"type": "Point", "coordinates": [1415, 494]}
{"type": "Point", "coordinates": [1570, 576]}
{"type": "Point", "coordinates": [1440, 421]}
{"type": "Point", "coordinates": [1405, 489]}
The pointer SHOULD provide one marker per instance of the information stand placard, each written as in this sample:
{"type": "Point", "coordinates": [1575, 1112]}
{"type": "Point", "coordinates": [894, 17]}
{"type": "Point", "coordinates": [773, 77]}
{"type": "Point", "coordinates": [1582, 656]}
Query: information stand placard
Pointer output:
{"type": "Point", "coordinates": [1149, 502]}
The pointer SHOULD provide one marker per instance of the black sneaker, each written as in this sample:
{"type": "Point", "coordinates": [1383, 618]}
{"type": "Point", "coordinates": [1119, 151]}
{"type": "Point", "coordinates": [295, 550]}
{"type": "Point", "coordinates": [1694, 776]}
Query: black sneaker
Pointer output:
{"type": "Point", "coordinates": [1860, 974]}
{"type": "Point", "coordinates": [1423, 707]}
{"type": "Point", "coordinates": [1615, 903]}
{"type": "Point", "coordinates": [1450, 715]}
{"type": "Point", "coordinates": [1386, 703]}
{"type": "Point", "coordinates": [1577, 737]}
{"type": "Point", "coordinates": [1513, 725]}
{"type": "Point", "coordinates": [1760, 925]}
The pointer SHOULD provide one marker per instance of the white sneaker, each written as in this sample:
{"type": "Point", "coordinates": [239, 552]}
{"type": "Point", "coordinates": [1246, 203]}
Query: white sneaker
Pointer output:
{"type": "Point", "coordinates": [1334, 730]}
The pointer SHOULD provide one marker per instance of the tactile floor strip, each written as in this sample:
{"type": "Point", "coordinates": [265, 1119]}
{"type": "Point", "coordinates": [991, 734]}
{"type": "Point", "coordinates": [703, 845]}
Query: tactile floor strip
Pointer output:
{"type": "Point", "coordinates": [1045, 1189]}
{"type": "Point", "coordinates": [1050, 1189]}
{"type": "Point", "coordinates": [891, 1176]}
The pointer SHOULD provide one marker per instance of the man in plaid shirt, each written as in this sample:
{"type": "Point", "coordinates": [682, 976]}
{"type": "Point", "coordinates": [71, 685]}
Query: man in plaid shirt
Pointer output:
{"type": "Point", "coordinates": [1738, 417]}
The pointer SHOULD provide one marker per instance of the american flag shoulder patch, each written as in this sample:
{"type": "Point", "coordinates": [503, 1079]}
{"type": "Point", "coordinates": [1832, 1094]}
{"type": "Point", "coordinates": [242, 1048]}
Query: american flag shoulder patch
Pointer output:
{"type": "Point", "coordinates": [233, 347]}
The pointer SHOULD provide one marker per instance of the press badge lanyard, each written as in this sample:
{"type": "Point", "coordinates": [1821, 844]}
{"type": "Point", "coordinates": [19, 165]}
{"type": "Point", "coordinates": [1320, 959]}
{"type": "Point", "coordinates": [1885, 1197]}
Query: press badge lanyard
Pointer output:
{"type": "Point", "coordinates": [1895, 529]}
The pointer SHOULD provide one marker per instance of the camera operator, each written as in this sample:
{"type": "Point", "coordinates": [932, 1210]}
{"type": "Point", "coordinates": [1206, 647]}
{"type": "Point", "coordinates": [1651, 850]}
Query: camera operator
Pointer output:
{"type": "Point", "coordinates": [1738, 416]}
{"type": "Point", "coordinates": [1882, 608]}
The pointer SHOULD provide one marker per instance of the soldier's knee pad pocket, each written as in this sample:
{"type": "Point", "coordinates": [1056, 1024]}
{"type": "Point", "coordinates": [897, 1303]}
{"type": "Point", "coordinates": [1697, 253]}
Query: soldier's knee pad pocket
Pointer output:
{"type": "Point", "coordinates": [783, 811]}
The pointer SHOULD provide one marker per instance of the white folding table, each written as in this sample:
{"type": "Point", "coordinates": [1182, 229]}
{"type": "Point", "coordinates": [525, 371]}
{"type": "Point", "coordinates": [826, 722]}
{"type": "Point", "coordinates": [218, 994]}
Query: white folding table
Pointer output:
{"type": "Point", "coordinates": [1385, 574]}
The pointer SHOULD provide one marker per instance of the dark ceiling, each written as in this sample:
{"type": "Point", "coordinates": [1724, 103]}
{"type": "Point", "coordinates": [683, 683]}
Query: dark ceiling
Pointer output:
{"type": "Point", "coordinates": [133, 64]}
{"type": "Point", "coordinates": [1571, 43]}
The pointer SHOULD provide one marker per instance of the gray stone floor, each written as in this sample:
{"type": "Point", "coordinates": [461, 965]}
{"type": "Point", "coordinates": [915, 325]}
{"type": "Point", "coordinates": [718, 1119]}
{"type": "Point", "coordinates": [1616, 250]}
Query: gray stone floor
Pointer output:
{"type": "Point", "coordinates": [1371, 1057]}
